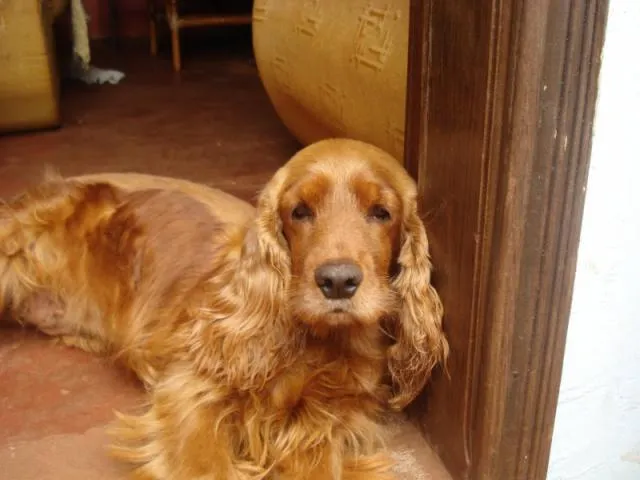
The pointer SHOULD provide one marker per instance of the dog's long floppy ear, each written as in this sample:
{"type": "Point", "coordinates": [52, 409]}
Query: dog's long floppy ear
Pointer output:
{"type": "Point", "coordinates": [266, 258]}
{"type": "Point", "coordinates": [251, 347]}
{"type": "Point", "coordinates": [420, 341]}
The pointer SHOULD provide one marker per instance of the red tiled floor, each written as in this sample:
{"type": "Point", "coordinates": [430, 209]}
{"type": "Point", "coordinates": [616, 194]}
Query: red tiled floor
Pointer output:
{"type": "Point", "coordinates": [212, 123]}
{"type": "Point", "coordinates": [54, 406]}
{"type": "Point", "coordinates": [64, 389]}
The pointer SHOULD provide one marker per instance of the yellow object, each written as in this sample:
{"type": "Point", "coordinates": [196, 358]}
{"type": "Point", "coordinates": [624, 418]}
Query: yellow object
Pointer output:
{"type": "Point", "coordinates": [80, 29]}
{"type": "Point", "coordinates": [336, 67]}
{"type": "Point", "coordinates": [28, 75]}
{"type": "Point", "coordinates": [29, 80]}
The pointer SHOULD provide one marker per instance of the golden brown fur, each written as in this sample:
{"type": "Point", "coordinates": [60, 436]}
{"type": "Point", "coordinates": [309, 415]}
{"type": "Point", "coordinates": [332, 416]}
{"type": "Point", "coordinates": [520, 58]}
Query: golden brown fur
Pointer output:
{"type": "Point", "coordinates": [251, 372]}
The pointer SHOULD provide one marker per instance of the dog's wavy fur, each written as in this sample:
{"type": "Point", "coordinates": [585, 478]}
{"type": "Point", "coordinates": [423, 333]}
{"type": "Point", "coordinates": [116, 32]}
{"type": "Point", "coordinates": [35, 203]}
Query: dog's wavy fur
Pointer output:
{"type": "Point", "coordinates": [250, 374]}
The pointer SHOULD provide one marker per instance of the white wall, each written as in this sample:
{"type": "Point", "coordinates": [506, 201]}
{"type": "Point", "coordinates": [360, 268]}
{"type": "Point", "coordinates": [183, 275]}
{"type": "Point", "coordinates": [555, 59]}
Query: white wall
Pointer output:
{"type": "Point", "coordinates": [597, 427]}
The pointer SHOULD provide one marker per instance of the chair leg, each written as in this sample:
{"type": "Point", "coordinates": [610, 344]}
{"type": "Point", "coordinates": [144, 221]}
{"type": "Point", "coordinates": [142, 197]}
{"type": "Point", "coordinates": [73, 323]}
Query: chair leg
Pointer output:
{"type": "Point", "coordinates": [175, 47]}
{"type": "Point", "coordinates": [114, 22]}
{"type": "Point", "coordinates": [174, 25]}
{"type": "Point", "coordinates": [153, 29]}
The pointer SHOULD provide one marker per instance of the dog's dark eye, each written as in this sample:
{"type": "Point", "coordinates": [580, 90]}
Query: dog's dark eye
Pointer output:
{"type": "Point", "coordinates": [379, 213]}
{"type": "Point", "coordinates": [302, 212]}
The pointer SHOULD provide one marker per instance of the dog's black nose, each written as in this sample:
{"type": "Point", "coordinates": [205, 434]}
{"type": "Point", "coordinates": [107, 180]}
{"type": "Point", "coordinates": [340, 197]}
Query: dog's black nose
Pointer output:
{"type": "Point", "coordinates": [338, 280]}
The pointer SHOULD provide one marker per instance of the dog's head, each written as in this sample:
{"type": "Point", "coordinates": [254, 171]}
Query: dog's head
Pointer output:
{"type": "Point", "coordinates": [340, 226]}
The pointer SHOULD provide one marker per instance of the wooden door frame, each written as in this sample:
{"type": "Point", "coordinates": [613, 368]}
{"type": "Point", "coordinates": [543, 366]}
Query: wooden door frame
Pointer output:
{"type": "Point", "coordinates": [500, 104]}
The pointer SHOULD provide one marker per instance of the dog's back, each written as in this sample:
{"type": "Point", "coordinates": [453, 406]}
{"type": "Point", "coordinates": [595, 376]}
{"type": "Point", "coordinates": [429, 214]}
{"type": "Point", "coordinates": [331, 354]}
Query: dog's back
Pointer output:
{"type": "Point", "coordinates": [102, 260]}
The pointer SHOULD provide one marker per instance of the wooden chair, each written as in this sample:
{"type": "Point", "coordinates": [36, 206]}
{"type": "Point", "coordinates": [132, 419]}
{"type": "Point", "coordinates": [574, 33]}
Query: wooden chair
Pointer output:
{"type": "Point", "coordinates": [176, 22]}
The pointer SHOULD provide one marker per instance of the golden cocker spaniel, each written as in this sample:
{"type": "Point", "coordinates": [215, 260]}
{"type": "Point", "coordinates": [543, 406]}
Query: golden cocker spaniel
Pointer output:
{"type": "Point", "coordinates": [271, 340]}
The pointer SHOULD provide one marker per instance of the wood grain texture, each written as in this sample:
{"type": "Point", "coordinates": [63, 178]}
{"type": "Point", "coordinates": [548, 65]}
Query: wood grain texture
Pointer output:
{"type": "Point", "coordinates": [500, 107]}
